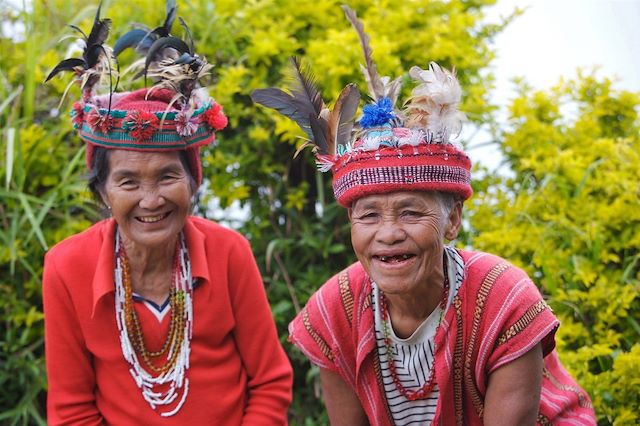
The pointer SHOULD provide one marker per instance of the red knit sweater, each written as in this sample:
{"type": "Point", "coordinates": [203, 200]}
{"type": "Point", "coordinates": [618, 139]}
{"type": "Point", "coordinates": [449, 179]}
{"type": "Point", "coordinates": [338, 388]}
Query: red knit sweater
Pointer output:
{"type": "Point", "coordinates": [239, 373]}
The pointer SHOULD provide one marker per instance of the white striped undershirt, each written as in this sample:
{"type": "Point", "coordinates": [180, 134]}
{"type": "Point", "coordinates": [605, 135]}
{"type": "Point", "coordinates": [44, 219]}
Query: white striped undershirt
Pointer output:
{"type": "Point", "coordinates": [413, 356]}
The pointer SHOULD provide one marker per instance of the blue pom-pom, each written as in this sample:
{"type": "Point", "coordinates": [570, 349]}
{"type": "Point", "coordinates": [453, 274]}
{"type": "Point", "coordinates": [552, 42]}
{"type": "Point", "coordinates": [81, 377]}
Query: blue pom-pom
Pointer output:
{"type": "Point", "coordinates": [377, 114]}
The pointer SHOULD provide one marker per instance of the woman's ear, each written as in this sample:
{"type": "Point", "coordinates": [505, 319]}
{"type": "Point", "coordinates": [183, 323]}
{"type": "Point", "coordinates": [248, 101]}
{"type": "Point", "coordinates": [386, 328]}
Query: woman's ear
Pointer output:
{"type": "Point", "coordinates": [105, 200]}
{"type": "Point", "coordinates": [349, 213]}
{"type": "Point", "coordinates": [454, 221]}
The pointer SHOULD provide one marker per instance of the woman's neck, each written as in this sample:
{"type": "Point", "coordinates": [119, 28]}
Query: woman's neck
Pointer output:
{"type": "Point", "coordinates": [151, 268]}
{"type": "Point", "coordinates": [408, 311]}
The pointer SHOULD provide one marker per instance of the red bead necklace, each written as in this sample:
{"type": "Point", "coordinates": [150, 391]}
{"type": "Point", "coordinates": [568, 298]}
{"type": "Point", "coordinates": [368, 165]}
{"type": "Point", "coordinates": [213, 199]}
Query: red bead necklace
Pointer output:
{"type": "Point", "coordinates": [426, 389]}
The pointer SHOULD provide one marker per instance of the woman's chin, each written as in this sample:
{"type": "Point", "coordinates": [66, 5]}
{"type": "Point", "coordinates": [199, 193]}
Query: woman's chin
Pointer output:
{"type": "Point", "coordinates": [152, 238]}
{"type": "Point", "coordinates": [393, 285]}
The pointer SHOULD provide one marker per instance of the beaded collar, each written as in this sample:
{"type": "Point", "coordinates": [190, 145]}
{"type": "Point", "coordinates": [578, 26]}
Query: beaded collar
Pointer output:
{"type": "Point", "coordinates": [169, 365]}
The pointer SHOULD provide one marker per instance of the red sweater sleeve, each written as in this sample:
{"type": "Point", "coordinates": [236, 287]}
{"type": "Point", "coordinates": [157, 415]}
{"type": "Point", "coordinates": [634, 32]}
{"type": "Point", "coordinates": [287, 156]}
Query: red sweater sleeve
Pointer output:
{"type": "Point", "coordinates": [70, 374]}
{"type": "Point", "coordinates": [268, 368]}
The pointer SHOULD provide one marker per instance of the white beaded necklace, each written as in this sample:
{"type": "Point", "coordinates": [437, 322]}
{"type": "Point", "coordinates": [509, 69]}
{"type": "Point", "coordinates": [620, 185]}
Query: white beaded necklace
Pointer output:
{"type": "Point", "coordinates": [175, 376]}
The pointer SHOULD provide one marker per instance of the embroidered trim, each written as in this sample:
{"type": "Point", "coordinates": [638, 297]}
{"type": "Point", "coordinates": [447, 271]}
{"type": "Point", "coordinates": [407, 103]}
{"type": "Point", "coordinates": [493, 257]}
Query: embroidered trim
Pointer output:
{"type": "Point", "coordinates": [483, 294]}
{"type": "Point", "coordinates": [583, 401]}
{"type": "Point", "coordinates": [378, 371]}
{"type": "Point", "coordinates": [347, 296]}
{"type": "Point", "coordinates": [544, 421]}
{"type": "Point", "coordinates": [324, 347]}
{"type": "Point", "coordinates": [523, 322]}
{"type": "Point", "coordinates": [457, 364]}
{"type": "Point", "coordinates": [367, 302]}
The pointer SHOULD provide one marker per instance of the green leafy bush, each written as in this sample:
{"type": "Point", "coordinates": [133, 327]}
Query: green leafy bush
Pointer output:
{"type": "Point", "coordinates": [569, 216]}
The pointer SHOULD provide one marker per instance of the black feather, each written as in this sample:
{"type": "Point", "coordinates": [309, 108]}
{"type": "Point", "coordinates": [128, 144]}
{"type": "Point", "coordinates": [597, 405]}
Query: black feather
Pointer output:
{"type": "Point", "coordinates": [305, 94]}
{"type": "Point", "coordinates": [283, 103]}
{"type": "Point", "coordinates": [186, 28]}
{"type": "Point", "coordinates": [139, 39]}
{"type": "Point", "coordinates": [164, 43]}
{"type": "Point", "coordinates": [100, 30]}
{"type": "Point", "coordinates": [66, 65]}
{"type": "Point", "coordinates": [92, 55]}
{"type": "Point", "coordinates": [319, 130]}
{"type": "Point", "coordinates": [165, 29]}
{"type": "Point", "coordinates": [172, 9]}
{"type": "Point", "coordinates": [168, 22]}
{"type": "Point", "coordinates": [92, 51]}
{"type": "Point", "coordinates": [349, 99]}
{"type": "Point", "coordinates": [79, 30]}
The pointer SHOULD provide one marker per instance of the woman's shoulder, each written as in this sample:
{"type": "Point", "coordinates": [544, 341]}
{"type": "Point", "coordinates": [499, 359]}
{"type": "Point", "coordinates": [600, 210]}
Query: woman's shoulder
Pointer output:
{"type": "Point", "coordinates": [482, 269]}
{"type": "Point", "coordinates": [325, 328]}
{"type": "Point", "coordinates": [492, 281]}
{"type": "Point", "coordinates": [213, 230]}
{"type": "Point", "coordinates": [215, 236]}
{"type": "Point", "coordinates": [351, 280]}
{"type": "Point", "coordinates": [342, 298]}
{"type": "Point", "coordinates": [82, 244]}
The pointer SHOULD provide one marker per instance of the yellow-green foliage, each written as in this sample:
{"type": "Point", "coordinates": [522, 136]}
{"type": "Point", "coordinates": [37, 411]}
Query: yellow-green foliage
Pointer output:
{"type": "Point", "coordinates": [570, 217]}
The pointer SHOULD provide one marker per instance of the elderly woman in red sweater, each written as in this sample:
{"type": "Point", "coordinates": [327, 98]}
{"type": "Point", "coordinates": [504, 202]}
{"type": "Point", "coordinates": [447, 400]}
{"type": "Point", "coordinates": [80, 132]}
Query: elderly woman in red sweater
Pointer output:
{"type": "Point", "coordinates": [154, 316]}
{"type": "Point", "coordinates": [418, 332]}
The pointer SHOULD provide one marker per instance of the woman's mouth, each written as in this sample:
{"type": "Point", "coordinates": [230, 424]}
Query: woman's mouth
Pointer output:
{"type": "Point", "coordinates": [394, 258]}
{"type": "Point", "coordinates": [152, 219]}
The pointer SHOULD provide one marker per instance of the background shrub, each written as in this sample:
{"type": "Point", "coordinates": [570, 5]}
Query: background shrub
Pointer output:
{"type": "Point", "coordinates": [566, 212]}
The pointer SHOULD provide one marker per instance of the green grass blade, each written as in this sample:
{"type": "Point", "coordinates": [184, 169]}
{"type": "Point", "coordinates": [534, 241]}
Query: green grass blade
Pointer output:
{"type": "Point", "coordinates": [32, 219]}
{"type": "Point", "coordinates": [11, 134]}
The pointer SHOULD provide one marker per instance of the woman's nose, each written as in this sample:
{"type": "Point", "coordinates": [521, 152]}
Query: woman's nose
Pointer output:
{"type": "Point", "coordinates": [390, 232]}
{"type": "Point", "coordinates": [151, 199]}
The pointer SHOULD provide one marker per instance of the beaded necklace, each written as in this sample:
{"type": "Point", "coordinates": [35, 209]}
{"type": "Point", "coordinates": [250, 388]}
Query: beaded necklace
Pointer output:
{"type": "Point", "coordinates": [170, 375]}
{"type": "Point", "coordinates": [427, 387]}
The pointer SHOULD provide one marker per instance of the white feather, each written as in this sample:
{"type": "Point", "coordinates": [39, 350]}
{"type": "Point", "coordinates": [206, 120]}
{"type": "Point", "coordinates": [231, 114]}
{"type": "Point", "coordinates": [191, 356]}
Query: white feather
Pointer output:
{"type": "Point", "coordinates": [434, 102]}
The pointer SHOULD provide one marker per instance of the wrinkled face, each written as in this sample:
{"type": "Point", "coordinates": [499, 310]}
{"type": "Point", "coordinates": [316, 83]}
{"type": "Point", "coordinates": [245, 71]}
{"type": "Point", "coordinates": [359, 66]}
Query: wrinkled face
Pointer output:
{"type": "Point", "coordinates": [149, 195]}
{"type": "Point", "coordinates": [399, 238]}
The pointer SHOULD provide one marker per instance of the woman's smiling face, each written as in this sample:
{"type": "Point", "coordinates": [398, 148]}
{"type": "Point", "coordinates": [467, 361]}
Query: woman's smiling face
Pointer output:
{"type": "Point", "coordinates": [399, 238]}
{"type": "Point", "coordinates": [149, 195]}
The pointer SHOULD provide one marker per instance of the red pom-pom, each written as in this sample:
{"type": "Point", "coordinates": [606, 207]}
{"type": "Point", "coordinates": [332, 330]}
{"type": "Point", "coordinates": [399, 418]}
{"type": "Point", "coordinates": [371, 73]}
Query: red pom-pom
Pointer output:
{"type": "Point", "coordinates": [215, 118]}
{"type": "Point", "coordinates": [219, 122]}
{"type": "Point", "coordinates": [77, 114]}
{"type": "Point", "coordinates": [100, 123]}
{"type": "Point", "coordinates": [141, 125]}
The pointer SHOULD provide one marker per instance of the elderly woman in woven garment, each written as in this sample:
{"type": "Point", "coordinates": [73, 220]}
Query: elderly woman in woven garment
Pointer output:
{"type": "Point", "coordinates": [418, 332]}
{"type": "Point", "coordinates": [153, 316]}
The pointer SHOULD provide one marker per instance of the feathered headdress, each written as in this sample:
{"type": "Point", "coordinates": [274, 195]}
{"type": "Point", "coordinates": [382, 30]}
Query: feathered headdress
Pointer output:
{"type": "Point", "coordinates": [390, 149]}
{"type": "Point", "coordinates": [170, 115]}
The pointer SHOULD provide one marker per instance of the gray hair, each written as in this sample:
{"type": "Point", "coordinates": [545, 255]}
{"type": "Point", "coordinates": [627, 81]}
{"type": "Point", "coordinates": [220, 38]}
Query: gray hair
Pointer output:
{"type": "Point", "coordinates": [446, 200]}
